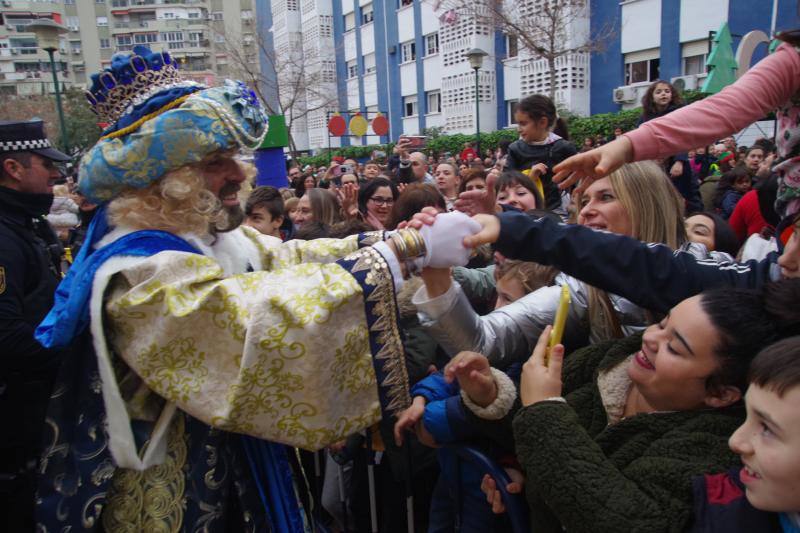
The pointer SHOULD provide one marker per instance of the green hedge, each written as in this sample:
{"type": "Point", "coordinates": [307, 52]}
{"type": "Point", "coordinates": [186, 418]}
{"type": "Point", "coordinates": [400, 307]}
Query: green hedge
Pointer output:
{"type": "Point", "coordinates": [579, 128]}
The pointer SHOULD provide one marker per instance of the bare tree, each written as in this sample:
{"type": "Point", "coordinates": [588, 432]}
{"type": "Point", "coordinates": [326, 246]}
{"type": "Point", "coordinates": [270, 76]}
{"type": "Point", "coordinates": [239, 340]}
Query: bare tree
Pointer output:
{"type": "Point", "coordinates": [546, 29]}
{"type": "Point", "coordinates": [291, 81]}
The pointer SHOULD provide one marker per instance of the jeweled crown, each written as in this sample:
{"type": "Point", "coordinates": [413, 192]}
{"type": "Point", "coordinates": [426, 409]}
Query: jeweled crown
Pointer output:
{"type": "Point", "coordinates": [131, 80]}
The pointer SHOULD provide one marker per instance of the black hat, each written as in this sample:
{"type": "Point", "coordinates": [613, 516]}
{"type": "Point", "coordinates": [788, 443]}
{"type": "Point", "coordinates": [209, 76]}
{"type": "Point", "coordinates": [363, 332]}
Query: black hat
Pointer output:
{"type": "Point", "coordinates": [27, 136]}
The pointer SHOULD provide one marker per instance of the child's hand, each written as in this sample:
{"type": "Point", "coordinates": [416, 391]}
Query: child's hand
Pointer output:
{"type": "Point", "coordinates": [677, 169]}
{"type": "Point", "coordinates": [494, 497]}
{"type": "Point", "coordinates": [539, 169]}
{"type": "Point", "coordinates": [409, 418]}
{"type": "Point", "coordinates": [472, 370]}
{"type": "Point", "coordinates": [538, 381]}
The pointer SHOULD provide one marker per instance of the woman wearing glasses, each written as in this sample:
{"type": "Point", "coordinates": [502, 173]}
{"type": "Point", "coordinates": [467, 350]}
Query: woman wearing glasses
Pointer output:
{"type": "Point", "coordinates": [375, 201]}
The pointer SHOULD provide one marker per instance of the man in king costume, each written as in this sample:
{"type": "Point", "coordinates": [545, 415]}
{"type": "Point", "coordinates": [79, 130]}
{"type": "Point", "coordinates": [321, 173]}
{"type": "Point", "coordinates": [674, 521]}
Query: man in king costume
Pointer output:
{"type": "Point", "coordinates": [185, 334]}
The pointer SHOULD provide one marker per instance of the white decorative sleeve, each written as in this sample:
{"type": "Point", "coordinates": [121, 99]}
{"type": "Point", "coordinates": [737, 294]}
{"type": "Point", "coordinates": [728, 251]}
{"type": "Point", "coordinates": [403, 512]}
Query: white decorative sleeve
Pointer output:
{"type": "Point", "coordinates": [506, 394]}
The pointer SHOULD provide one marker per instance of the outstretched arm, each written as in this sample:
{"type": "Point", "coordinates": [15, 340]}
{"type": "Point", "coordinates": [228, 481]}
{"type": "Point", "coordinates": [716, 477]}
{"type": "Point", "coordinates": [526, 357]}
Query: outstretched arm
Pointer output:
{"type": "Point", "coordinates": [650, 275]}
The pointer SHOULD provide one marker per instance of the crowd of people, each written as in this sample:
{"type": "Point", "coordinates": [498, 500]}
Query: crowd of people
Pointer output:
{"type": "Point", "coordinates": [226, 356]}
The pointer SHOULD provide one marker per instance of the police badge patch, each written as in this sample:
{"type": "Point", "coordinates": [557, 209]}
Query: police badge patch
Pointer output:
{"type": "Point", "coordinates": [2, 280]}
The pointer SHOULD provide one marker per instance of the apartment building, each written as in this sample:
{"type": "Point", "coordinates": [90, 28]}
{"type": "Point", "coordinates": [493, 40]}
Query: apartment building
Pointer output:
{"type": "Point", "coordinates": [200, 35]}
{"type": "Point", "coordinates": [407, 59]}
{"type": "Point", "coordinates": [671, 40]}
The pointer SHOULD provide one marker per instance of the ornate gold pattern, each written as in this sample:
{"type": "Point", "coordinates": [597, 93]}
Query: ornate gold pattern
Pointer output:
{"type": "Point", "coordinates": [350, 370]}
{"type": "Point", "coordinates": [151, 500]}
{"type": "Point", "coordinates": [385, 311]}
{"type": "Point", "coordinates": [177, 369]}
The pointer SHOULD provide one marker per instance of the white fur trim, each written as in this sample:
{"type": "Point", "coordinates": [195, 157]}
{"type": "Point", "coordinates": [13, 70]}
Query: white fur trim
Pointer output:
{"type": "Point", "coordinates": [506, 394]}
{"type": "Point", "coordinates": [121, 442]}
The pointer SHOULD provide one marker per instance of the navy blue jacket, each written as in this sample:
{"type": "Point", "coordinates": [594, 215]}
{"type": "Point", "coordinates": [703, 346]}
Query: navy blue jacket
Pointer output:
{"type": "Point", "coordinates": [652, 276]}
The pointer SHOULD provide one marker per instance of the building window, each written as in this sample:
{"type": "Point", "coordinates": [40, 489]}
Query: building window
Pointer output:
{"type": "Point", "coordinates": [99, 1]}
{"type": "Point", "coordinates": [641, 71]}
{"type": "Point", "coordinates": [432, 44]}
{"type": "Point", "coordinates": [352, 69]}
{"type": "Point", "coordinates": [105, 43]}
{"type": "Point", "coordinates": [434, 101]}
{"type": "Point", "coordinates": [349, 21]}
{"type": "Point", "coordinates": [410, 106]}
{"type": "Point", "coordinates": [145, 38]}
{"type": "Point", "coordinates": [512, 46]}
{"type": "Point", "coordinates": [367, 14]}
{"type": "Point", "coordinates": [124, 43]}
{"type": "Point", "coordinates": [369, 63]}
{"type": "Point", "coordinates": [404, 3]}
{"type": "Point", "coordinates": [694, 65]}
{"type": "Point", "coordinates": [102, 21]}
{"type": "Point", "coordinates": [216, 15]}
{"type": "Point", "coordinates": [247, 14]}
{"type": "Point", "coordinates": [73, 23]}
{"type": "Point", "coordinates": [409, 52]}
{"type": "Point", "coordinates": [194, 15]}
{"type": "Point", "coordinates": [511, 108]}
{"type": "Point", "coordinates": [219, 38]}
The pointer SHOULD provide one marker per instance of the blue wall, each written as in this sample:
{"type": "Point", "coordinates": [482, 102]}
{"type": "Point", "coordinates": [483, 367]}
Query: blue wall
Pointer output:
{"type": "Point", "coordinates": [341, 65]}
{"type": "Point", "coordinates": [670, 62]}
{"type": "Point", "coordinates": [606, 66]}
{"type": "Point", "coordinates": [499, 55]}
{"type": "Point", "coordinates": [264, 23]}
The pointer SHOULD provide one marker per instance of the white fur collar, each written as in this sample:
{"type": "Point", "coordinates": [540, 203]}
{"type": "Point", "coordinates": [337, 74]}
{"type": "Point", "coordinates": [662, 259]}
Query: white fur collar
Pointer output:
{"type": "Point", "coordinates": [233, 250]}
{"type": "Point", "coordinates": [614, 385]}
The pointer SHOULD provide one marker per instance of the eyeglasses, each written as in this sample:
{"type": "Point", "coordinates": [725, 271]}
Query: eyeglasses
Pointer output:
{"type": "Point", "coordinates": [382, 201]}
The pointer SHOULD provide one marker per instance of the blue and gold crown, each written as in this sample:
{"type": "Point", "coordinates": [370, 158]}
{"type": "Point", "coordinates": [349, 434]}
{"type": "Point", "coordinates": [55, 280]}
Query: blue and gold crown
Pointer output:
{"type": "Point", "coordinates": [161, 123]}
{"type": "Point", "coordinates": [135, 86]}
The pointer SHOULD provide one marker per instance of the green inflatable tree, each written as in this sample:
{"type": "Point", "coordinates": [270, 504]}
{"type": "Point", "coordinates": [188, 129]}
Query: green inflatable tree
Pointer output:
{"type": "Point", "coordinates": [721, 62]}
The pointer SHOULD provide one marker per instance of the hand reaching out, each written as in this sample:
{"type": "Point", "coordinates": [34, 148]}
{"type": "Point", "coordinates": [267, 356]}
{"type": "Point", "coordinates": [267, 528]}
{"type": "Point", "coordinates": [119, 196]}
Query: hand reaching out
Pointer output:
{"type": "Point", "coordinates": [479, 201]}
{"type": "Point", "coordinates": [409, 418]}
{"type": "Point", "coordinates": [472, 370]}
{"type": "Point", "coordinates": [594, 164]}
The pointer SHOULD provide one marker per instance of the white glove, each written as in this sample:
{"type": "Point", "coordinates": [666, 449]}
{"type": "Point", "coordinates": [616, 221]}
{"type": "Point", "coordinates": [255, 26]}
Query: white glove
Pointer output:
{"type": "Point", "coordinates": [444, 239]}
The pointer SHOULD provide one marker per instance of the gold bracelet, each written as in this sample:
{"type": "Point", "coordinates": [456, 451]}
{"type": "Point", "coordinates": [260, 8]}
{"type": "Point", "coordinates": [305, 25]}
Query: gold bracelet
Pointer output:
{"type": "Point", "coordinates": [411, 242]}
{"type": "Point", "coordinates": [414, 241]}
{"type": "Point", "coordinates": [420, 241]}
{"type": "Point", "coordinates": [400, 247]}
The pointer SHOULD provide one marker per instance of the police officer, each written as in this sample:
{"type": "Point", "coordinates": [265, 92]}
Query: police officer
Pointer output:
{"type": "Point", "coordinates": [30, 257]}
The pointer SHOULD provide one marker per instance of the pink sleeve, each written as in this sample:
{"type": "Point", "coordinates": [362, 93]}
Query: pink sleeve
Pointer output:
{"type": "Point", "coordinates": [763, 88]}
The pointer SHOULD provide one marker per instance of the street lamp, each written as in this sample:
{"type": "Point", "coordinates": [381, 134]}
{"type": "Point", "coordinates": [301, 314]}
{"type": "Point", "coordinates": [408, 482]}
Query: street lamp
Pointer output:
{"type": "Point", "coordinates": [47, 32]}
{"type": "Point", "coordinates": [475, 57]}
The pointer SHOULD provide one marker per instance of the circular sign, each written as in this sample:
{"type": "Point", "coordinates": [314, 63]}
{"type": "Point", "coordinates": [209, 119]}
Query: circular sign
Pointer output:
{"type": "Point", "coordinates": [358, 125]}
{"type": "Point", "coordinates": [337, 126]}
{"type": "Point", "coordinates": [380, 125]}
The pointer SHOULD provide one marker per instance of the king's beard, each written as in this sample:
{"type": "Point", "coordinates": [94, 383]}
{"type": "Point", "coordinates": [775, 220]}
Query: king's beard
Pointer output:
{"type": "Point", "coordinates": [228, 219]}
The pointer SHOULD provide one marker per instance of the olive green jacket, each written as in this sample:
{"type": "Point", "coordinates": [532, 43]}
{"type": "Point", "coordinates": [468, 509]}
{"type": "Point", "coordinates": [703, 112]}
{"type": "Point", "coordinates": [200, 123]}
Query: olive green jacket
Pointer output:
{"type": "Point", "coordinates": [633, 475]}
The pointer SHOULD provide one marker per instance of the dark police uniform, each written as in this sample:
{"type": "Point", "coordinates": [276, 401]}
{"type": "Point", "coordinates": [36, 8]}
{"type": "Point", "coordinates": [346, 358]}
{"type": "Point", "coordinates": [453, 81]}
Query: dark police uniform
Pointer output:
{"type": "Point", "coordinates": [30, 256]}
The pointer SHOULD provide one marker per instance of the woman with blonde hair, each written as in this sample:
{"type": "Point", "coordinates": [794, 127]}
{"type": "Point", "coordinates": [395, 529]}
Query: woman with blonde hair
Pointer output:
{"type": "Point", "coordinates": [638, 200]}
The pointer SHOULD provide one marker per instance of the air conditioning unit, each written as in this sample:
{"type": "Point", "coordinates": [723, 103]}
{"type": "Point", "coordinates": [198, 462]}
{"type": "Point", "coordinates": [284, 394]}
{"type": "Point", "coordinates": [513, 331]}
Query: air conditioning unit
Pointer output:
{"type": "Point", "coordinates": [14, 52]}
{"type": "Point", "coordinates": [6, 3]}
{"type": "Point", "coordinates": [685, 83]}
{"type": "Point", "coordinates": [624, 94]}
{"type": "Point", "coordinates": [9, 27]}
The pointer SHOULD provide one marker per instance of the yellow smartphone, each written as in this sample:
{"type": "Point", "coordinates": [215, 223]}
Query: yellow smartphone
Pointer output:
{"type": "Point", "coordinates": [559, 322]}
